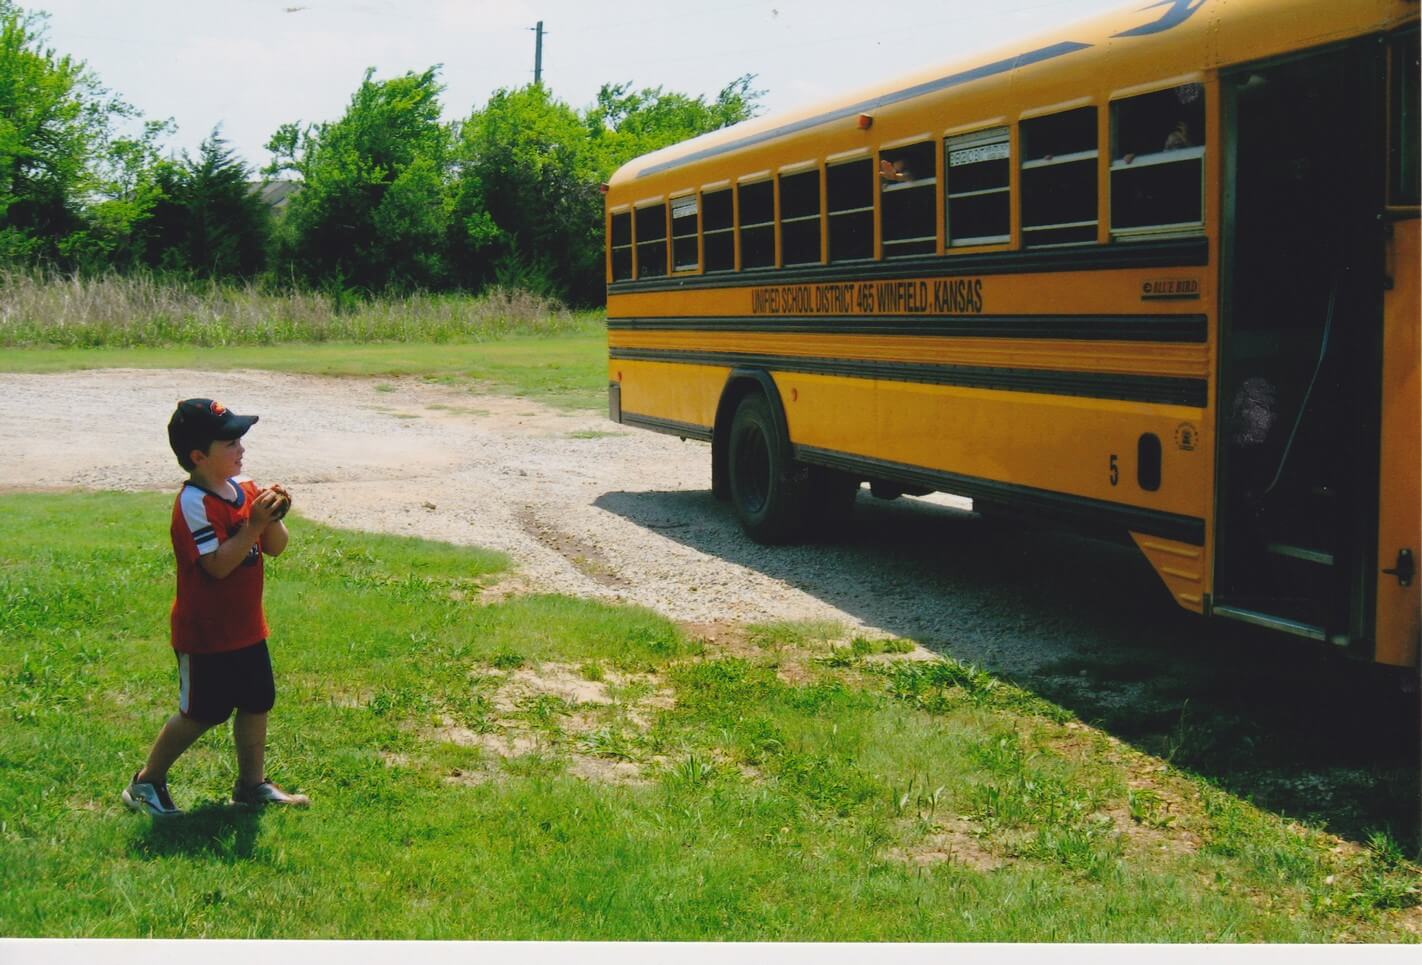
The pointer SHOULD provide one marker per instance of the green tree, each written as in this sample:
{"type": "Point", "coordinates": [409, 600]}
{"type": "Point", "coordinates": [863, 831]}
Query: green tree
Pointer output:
{"type": "Point", "coordinates": [207, 220]}
{"type": "Point", "coordinates": [626, 124]}
{"type": "Point", "coordinates": [58, 149]}
{"type": "Point", "coordinates": [53, 115]}
{"type": "Point", "coordinates": [123, 189]}
{"type": "Point", "coordinates": [376, 207]}
{"type": "Point", "coordinates": [530, 156]}
{"type": "Point", "coordinates": [539, 164]}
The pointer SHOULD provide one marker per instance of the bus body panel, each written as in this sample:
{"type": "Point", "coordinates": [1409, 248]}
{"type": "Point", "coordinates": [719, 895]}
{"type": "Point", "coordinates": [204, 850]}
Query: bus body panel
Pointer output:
{"type": "Point", "coordinates": [1045, 442]}
{"type": "Point", "coordinates": [684, 394]}
{"type": "Point", "coordinates": [1183, 568]}
{"type": "Point", "coordinates": [1399, 608]}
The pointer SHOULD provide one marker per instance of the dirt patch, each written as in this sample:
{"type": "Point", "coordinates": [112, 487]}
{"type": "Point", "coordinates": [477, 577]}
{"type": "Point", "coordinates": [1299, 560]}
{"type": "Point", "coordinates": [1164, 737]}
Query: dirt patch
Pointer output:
{"type": "Point", "coordinates": [793, 665]}
{"type": "Point", "coordinates": [1165, 807]}
{"type": "Point", "coordinates": [562, 681]}
{"type": "Point", "coordinates": [954, 841]}
{"type": "Point", "coordinates": [585, 555]}
{"type": "Point", "coordinates": [603, 771]}
{"type": "Point", "coordinates": [723, 635]}
{"type": "Point", "coordinates": [555, 709]}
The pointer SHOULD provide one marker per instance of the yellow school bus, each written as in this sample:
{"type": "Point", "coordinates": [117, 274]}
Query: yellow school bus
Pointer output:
{"type": "Point", "coordinates": [1156, 276]}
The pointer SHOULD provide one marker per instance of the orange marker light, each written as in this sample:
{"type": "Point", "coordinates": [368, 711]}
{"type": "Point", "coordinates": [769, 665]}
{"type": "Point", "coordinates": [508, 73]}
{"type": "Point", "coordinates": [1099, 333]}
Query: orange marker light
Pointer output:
{"type": "Point", "coordinates": [866, 121]}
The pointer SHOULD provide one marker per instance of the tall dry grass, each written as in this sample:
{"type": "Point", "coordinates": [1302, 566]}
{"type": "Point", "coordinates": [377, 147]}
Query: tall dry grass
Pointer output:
{"type": "Point", "coordinates": [74, 311]}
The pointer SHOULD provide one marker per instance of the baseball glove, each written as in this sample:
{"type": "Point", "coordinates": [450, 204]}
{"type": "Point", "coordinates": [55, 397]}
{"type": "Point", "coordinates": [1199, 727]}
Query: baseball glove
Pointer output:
{"type": "Point", "coordinates": [284, 503]}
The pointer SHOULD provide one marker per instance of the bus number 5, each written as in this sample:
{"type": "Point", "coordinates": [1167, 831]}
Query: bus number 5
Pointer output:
{"type": "Point", "coordinates": [1115, 470]}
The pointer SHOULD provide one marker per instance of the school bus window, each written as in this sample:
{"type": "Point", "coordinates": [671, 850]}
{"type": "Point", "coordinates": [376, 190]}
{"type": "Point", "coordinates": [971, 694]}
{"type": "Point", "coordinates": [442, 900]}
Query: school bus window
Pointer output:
{"type": "Point", "coordinates": [850, 190]}
{"type": "Point", "coordinates": [652, 241]}
{"type": "Point", "coordinates": [1158, 161]}
{"type": "Point", "coordinates": [906, 184]}
{"type": "Point", "coordinates": [1404, 147]}
{"type": "Point", "coordinates": [978, 174]}
{"type": "Point", "coordinates": [621, 244]}
{"type": "Point", "coordinates": [800, 218]}
{"type": "Point", "coordinates": [757, 232]}
{"type": "Point", "coordinates": [1059, 178]}
{"type": "Point", "coordinates": [718, 231]}
{"type": "Point", "coordinates": [683, 212]}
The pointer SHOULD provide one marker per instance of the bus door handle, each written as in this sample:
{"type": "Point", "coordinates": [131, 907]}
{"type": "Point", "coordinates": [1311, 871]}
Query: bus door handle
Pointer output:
{"type": "Point", "coordinates": [1405, 569]}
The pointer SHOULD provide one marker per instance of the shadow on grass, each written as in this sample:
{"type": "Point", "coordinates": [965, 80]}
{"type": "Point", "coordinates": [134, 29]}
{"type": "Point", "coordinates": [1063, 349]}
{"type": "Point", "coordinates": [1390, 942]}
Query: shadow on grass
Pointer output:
{"type": "Point", "coordinates": [1291, 725]}
{"type": "Point", "coordinates": [222, 831]}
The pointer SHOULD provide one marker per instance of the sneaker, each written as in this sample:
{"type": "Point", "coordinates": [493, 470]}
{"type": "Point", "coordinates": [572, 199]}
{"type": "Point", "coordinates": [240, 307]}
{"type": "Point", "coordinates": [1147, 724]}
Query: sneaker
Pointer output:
{"type": "Point", "coordinates": [150, 797]}
{"type": "Point", "coordinates": [267, 792]}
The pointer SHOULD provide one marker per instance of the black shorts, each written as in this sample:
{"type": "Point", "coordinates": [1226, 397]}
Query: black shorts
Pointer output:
{"type": "Point", "coordinates": [210, 685]}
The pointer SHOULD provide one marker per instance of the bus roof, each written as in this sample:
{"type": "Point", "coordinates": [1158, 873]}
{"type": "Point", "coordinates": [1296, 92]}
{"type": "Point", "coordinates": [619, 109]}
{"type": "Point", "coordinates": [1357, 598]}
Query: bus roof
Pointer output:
{"type": "Point", "coordinates": [1215, 32]}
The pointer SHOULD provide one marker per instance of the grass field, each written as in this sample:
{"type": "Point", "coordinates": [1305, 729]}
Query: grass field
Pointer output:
{"type": "Point", "coordinates": [42, 309]}
{"type": "Point", "coordinates": [568, 371]}
{"type": "Point", "coordinates": [542, 767]}
{"type": "Point", "coordinates": [505, 341]}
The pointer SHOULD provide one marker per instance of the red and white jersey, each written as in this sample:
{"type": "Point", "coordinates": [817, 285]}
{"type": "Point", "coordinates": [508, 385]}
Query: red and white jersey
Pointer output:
{"type": "Point", "coordinates": [212, 615]}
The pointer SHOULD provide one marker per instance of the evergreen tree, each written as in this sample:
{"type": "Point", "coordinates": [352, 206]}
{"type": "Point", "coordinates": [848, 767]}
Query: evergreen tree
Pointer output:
{"type": "Point", "coordinates": [225, 221]}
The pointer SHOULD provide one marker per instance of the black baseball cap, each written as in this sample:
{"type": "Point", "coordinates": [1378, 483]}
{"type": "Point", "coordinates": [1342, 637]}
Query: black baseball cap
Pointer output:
{"type": "Point", "coordinates": [197, 423]}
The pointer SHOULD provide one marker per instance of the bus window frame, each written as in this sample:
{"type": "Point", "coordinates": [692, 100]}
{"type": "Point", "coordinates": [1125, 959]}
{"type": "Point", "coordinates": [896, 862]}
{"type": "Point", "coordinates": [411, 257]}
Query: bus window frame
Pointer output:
{"type": "Point", "coordinates": [926, 140]}
{"type": "Point", "coordinates": [1024, 165]}
{"type": "Point", "coordinates": [717, 187]}
{"type": "Point", "coordinates": [1180, 229]}
{"type": "Point", "coordinates": [623, 210]}
{"type": "Point", "coordinates": [638, 206]}
{"type": "Point", "coordinates": [978, 134]}
{"type": "Point", "coordinates": [672, 236]}
{"type": "Point", "coordinates": [746, 181]}
{"type": "Point", "coordinates": [795, 170]}
{"type": "Point", "coordinates": [860, 156]}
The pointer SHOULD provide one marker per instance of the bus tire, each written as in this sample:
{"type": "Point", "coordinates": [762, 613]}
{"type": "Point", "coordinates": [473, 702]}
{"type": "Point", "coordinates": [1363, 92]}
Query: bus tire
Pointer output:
{"type": "Point", "coordinates": [767, 488]}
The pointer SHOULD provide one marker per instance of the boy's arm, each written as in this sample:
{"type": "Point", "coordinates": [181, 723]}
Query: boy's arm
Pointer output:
{"type": "Point", "coordinates": [274, 538]}
{"type": "Point", "coordinates": [231, 552]}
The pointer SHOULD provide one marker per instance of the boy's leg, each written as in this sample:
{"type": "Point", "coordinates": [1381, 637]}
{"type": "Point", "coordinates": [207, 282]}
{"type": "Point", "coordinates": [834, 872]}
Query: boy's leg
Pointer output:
{"type": "Point", "coordinates": [177, 735]}
{"type": "Point", "coordinates": [249, 732]}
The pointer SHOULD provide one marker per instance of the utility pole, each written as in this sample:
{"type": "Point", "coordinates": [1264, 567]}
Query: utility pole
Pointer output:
{"type": "Point", "coordinates": [538, 53]}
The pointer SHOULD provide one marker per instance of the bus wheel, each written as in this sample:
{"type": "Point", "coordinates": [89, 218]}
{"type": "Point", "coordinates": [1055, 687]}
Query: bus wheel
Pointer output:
{"type": "Point", "coordinates": [767, 490]}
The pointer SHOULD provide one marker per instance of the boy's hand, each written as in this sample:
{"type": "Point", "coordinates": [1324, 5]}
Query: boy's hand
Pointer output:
{"type": "Point", "coordinates": [284, 497]}
{"type": "Point", "coordinates": [264, 509]}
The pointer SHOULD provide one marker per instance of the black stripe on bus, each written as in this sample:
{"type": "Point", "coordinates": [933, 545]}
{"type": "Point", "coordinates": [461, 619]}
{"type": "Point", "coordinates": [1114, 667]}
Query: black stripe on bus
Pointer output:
{"type": "Point", "coordinates": [687, 430]}
{"type": "Point", "coordinates": [853, 110]}
{"type": "Point", "coordinates": [1164, 390]}
{"type": "Point", "coordinates": [1167, 253]}
{"type": "Point", "coordinates": [1096, 513]}
{"type": "Point", "coordinates": [1124, 328]}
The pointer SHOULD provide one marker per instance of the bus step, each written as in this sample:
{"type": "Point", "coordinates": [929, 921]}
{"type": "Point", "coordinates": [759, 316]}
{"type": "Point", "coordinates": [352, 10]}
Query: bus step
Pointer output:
{"type": "Point", "coordinates": [1295, 627]}
{"type": "Point", "coordinates": [1322, 557]}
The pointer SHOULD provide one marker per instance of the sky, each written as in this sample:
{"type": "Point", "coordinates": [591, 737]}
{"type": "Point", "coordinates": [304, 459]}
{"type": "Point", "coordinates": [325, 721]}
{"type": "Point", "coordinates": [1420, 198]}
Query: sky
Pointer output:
{"type": "Point", "coordinates": [252, 65]}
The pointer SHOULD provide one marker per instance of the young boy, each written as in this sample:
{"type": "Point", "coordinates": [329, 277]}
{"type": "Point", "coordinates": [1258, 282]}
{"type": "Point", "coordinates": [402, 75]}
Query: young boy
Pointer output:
{"type": "Point", "coordinates": [222, 524]}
